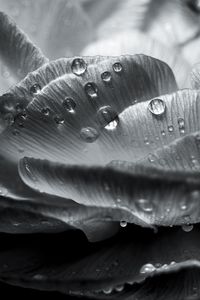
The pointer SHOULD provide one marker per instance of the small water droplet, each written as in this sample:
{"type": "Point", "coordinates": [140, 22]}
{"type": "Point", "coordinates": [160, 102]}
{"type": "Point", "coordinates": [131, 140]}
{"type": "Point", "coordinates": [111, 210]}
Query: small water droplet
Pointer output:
{"type": "Point", "coordinates": [146, 141]}
{"type": "Point", "coordinates": [59, 120]}
{"type": "Point", "coordinates": [117, 67]}
{"type": "Point", "coordinates": [106, 77]}
{"type": "Point", "coordinates": [119, 288]}
{"type": "Point", "coordinates": [187, 227]}
{"type": "Point", "coordinates": [45, 111]}
{"type": "Point", "coordinates": [107, 291]}
{"type": "Point", "coordinates": [163, 133]}
{"type": "Point", "coordinates": [181, 125]}
{"type": "Point", "coordinates": [5, 72]}
{"type": "Point", "coordinates": [35, 89]}
{"type": "Point", "coordinates": [123, 223]}
{"type": "Point", "coordinates": [145, 205]}
{"type": "Point", "coordinates": [170, 128]}
{"type": "Point", "coordinates": [152, 158]}
{"type": "Point", "coordinates": [157, 107]}
{"type": "Point", "coordinates": [78, 66]}
{"type": "Point", "coordinates": [147, 269]}
{"type": "Point", "coordinates": [39, 277]}
{"type": "Point", "coordinates": [89, 134]}
{"type": "Point", "coordinates": [69, 104]}
{"type": "Point", "coordinates": [91, 90]}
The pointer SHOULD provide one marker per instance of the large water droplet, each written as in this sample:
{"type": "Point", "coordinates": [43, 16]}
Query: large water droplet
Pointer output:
{"type": "Point", "coordinates": [89, 134]}
{"type": "Point", "coordinates": [78, 66]}
{"type": "Point", "coordinates": [35, 89]}
{"type": "Point", "coordinates": [157, 107]}
{"type": "Point", "coordinates": [106, 77]}
{"type": "Point", "coordinates": [107, 117]}
{"type": "Point", "coordinates": [147, 269]}
{"type": "Point", "coordinates": [69, 104]}
{"type": "Point", "coordinates": [187, 227]}
{"type": "Point", "coordinates": [123, 223]}
{"type": "Point", "coordinates": [145, 205]}
{"type": "Point", "coordinates": [91, 90]}
{"type": "Point", "coordinates": [117, 67]}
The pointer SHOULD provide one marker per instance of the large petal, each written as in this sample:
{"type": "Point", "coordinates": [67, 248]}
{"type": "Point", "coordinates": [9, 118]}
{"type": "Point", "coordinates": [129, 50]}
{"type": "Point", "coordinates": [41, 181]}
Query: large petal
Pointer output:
{"type": "Point", "coordinates": [146, 196]}
{"type": "Point", "coordinates": [133, 42]}
{"type": "Point", "coordinates": [68, 114]}
{"type": "Point", "coordinates": [60, 28]}
{"type": "Point", "coordinates": [56, 263]}
{"type": "Point", "coordinates": [16, 51]}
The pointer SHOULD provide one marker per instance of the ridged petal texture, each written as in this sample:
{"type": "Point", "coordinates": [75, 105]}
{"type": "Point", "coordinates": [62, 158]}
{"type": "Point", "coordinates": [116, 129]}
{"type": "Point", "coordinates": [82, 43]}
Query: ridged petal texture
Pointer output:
{"type": "Point", "coordinates": [133, 265]}
{"type": "Point", "coordinates": [146, 26]}
{"type": "Point", "coordinates": [49, 24]}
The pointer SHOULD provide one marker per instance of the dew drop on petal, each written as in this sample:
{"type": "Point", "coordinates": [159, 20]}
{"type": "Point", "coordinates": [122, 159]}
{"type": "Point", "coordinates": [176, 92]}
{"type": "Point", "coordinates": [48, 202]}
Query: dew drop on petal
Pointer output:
{"type": "Point", "coordinates": [187, 227]}
{"type": "Point", "coordinates": [89, 134]}
{"type": "Point", "coordinates": [106, 77]}
{"type": "Point", "coordinates": [107, 290]}
{"type": "Point", "coordinates": [45, 111]}
{"type": "Point", "coordinates": [91, 90]}
{"type": "Point", "coordinates": [170, 128]}
{"type": "Point", "coordinates": [35, 89]}
{"type": "Point", "coordinates": [107, 117]}
{"type": "Point", "coordinates": [119, 288]}
{"type": "Point", "coordinates": [117, 67]}
{"type": "Point", "coordinates": [59, 120]}
{"type": "Point", "coordinates": [157, 107]}
{"type": "Point", "coordinates": [123, 223]}
{"type": "Point", "coordinates": [181, 125]}
{"type": "Point", "coordinates": [145, 205]}
{"type": "Point", "coordinates": [147, 269]}
{"type": "Point", "coordinates": [78, 66]}
{"type": "Point", "coordinates": [69, 104]}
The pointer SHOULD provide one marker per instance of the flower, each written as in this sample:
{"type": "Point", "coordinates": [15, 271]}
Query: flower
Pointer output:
{"type": "Point", "coordinates": [95, 143]}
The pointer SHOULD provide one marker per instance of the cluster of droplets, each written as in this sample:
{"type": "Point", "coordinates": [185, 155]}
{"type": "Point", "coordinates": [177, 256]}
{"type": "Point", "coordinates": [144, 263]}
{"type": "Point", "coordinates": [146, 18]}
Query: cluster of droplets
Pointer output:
{"type": "Point", "coordinates": [150, 268]}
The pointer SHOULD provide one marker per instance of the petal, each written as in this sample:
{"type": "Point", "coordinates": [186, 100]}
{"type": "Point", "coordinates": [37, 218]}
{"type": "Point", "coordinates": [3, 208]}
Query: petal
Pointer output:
{"type": "Point", "coordinates": [134, 42]}
{"type": "Point", "coordinates": [53, 31]}
{"type": "Point", "coordinates": [16, 51]}
{"type": "Point", "coordinates": [51, 263]}
{"type": "Point", "coordinates": [52, 130]}
{"type": "Point", "coordinates": [145, 197]}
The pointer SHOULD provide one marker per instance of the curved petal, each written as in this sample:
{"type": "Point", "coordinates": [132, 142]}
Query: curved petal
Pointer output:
{"type": "Point", "coordinates": [146, 198]}
{"type": "Point", "coordinates": [53, 31]}
{"type": "Point", "coordinates": [16, 51]}
{"type": "Point", "coordinates": [134, 42]}
{"type": "Point", "coordinates": [66, 116]}
{"type": "Point", "coordinates": [51, 263]}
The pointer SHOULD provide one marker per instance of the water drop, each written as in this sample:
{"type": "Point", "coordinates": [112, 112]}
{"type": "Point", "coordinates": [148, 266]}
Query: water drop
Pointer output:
{"type": "Point", "coordinates": [145, 205]}
{"type": "Point", "coordinates": [163, 133]}
{"type": "Point", "coordinates": [9, 119]}
{"type": "Point", "coordinates": [107, 290]}
{"type": "Point", "coordinates": [107, 117]}
{"type": "Point", "coordinates": [170, 128]}
{"type": "Point", "coordinates": [152, 158]}
{"type": "Point", "coordinates": [181, 125]}
{"type": "Point", "coordinates": [59, 120]}
{"type": "Point", "coordinates": [123, 223]}
{"type": "Point", "coordinates": [117, 67]}
{"type": "Point", "coordinates": [147, 269]}
{"type": "Point", "coordinates": [187, 227]}
{"type": "Point", "coordinates": [106, 77]}
{"type": "Point", "coordinates": [39, 277]}
{"type": "Point", "coordinates": [157, 107]}
{"type": "Point", "coordinates": [35, 89]}
{"type": "Point", "coordinates": [89, 134]}
{"type": "Point", "coordinates": [91, 90]}
{"type": "Point", "coordinates": [78, 66]}
{"type": "Point", "coordinates": [45, 111]}
{"type": "Point", "coordinates": [119, 288]}
{"type": "Point", "coordinates": [69, 104]}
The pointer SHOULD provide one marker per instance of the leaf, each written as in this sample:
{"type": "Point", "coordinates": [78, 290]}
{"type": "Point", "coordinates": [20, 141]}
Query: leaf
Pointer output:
{"type": "Point", "coordinates": [154, 197]}
{"type": "Point", "coordinates": [51, 130]}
